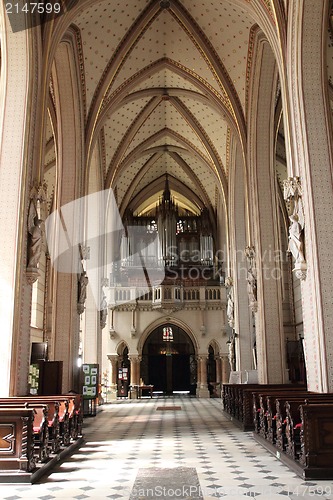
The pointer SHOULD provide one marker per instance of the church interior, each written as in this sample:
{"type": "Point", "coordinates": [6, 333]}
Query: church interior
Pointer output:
{"type": "Point", "coordinates": [166, 190]}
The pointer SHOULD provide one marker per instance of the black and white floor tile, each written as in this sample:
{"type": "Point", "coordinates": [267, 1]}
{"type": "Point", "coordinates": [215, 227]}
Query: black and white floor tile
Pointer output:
{"type": "Point", "coordinates": [175, 448]}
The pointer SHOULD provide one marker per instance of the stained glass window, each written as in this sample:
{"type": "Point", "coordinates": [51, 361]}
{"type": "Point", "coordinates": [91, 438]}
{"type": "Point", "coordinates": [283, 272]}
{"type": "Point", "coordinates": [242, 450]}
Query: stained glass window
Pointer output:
{"type": "Point", "coordinates": [167, 334]}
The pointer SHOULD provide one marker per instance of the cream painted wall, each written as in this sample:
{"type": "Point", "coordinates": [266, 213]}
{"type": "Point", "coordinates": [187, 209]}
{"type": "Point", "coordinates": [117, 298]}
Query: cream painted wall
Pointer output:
{"type": "Point", "coordinates": [189, 319]}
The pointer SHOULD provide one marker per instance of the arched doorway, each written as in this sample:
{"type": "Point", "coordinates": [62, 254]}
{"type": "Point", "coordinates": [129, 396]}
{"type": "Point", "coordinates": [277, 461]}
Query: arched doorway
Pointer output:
{"type": "Point", "coordinates": [124, 371]}
{"type": "Point", "coordinates": [168, 360]}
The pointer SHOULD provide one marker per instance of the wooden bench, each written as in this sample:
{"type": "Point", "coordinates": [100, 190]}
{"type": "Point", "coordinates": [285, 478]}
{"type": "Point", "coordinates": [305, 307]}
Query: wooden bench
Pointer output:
{"type": "Point", "coordinates": [237, 400]}
{"type": "Point", "coordinates": [17, 439]}
{"type": "Point", "coordinates": [75, 413]}
{"type": "Point", "coordinates": [299, 430]}
{"type": "Point", "coordinates": [316, 440]}
{"type": "Point", "coordinates": [62, 416]}
{"type": "Point", "coordinates": [40, 424]}
{"type": "Point", "coordinates": [264, 407]}
{"type": "Point", "coordinates": [288, 420]}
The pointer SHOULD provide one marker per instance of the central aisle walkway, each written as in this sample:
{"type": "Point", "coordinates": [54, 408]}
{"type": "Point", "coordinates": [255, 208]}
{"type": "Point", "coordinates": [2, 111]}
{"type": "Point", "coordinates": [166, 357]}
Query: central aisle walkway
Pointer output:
{"type": "Point", "coordinates": [129, 442]}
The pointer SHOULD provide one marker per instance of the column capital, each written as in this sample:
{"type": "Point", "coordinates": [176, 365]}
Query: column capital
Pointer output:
{"type": "Point", "coordinates": [202, 357]}
{"type": "Point", "coordinates": [135, 358]}
{"type": "Point", "coordinates": [113, 357]}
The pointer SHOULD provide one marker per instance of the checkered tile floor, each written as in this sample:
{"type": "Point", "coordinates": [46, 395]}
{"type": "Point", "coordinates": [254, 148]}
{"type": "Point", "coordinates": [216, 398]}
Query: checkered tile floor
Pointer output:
{"type": "Point", "coordinates": [129, 436]}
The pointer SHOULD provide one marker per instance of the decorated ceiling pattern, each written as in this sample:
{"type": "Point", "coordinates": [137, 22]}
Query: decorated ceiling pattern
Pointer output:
{"type": "Point", "coordinates": [166, 81]}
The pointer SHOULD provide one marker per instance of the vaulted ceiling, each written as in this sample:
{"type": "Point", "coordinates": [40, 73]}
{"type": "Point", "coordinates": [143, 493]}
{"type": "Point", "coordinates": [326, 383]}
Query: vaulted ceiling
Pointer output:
{"type": "Point", "coordinates": [165, 81]}
{"type": "Point", "coordinates": [165, 87]}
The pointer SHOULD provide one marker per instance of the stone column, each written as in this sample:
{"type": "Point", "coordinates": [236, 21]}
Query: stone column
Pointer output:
{"type": "Point", "coordinates": [270, 341]}
{"type": "Point", "coordinates": [70, 168]}
{"type": "Point", "coordinates": [225, 369]}
{"type": "Point", "coordinates": [113, 358]}
{"type": "Point", "coordinates": [238, 202]}
{"type": "Point", "coordinates": [218, 368]}
{"type": "Point", "coordinates": [135, 373]}
{"type": "Point", "coordinates": [218, 362]}
{"type": "Point", "coordinates": [16, 112]}
{"type": "Point", "coordinates": [135, 369]}
{"type": "Point", "coordinates": [312, 133]}
{"type": "Point", "coordinates": [202, 389]}
{"type": "Point", "coordinates": [91, 330]}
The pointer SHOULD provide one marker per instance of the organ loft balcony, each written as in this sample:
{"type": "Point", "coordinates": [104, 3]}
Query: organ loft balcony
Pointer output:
{"type": "Point", "coordinates": [168, 296]}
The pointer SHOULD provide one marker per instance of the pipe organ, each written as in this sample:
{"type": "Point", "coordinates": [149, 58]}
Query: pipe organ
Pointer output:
{"type": "Point", "coordinates": [167, 236]}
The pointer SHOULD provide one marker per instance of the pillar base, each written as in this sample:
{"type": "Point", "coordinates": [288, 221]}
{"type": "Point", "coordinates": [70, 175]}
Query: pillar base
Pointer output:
{"type": "Point", "coordinates": [112, 393]}
{"type": "Point", "coordinates": [134, 392]}
{"type": "Point", "coordinates": [202, 392]}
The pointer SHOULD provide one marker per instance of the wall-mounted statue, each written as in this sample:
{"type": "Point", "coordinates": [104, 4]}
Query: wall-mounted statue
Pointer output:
{"type": "Point", "coordinates": [230, 308]}
{"type": "Point", "coordinates": [295, 246]}
{"type": "Point", "coordinates": [252, 279]}
{"type": "Point", "coordinates": [35, 240]}
{"type": "Point", "coordinates": [103, 311]}
{"type": "Point", "coordinates": [293, 196]}
{"type": "Point", "coordinates": [82, 291]}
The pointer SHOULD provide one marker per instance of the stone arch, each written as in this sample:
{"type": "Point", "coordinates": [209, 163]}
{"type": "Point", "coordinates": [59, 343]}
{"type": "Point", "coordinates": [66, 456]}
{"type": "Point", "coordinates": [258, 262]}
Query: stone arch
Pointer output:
{"type": "Point", "coordinates": [215, 346]}
{"type": "Point", "coordinates": [121, 346]}
{"type": "Point", "coordinates": [159, 322]}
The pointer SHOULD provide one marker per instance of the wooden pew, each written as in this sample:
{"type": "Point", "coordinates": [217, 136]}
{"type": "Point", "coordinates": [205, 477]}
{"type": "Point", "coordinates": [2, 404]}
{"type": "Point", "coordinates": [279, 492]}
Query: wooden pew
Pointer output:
{"type": "Point", "coordinates": [40, 424]}
{"type": "Point", "coordinates": [288, 420]}
{"type": "Point", "coordinates": [75, 415]}
{"type": "Point", "coordinates": [237, 400]}
{"type": "Point", "coordinates": [17, 439]}
{"type": "Point", "coordinates": [64, 417]}
{"type": "Point", "coordinates": [316, 439]}
{"type": "Point", "coordinates": [304, 431]}
{"type": "Point", "coordinates": [264, 408]}
{"type": "Point", "coordinates": [47, 415]}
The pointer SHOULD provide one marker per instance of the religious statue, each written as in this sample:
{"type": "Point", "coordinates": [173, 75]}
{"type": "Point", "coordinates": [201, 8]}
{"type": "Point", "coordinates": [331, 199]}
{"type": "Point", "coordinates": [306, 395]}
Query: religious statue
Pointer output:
{"type": "Point", "coordinates": [232, 354]}
{"type": "Point", "coordinates": [251, 286]}
{"type": "Point", "coordinates": [103, 312]}
{"type": "Point", "coordinates": [293, 195]}
{"type": "Point", "coordinates": [296, 239]}
{"type": "Point", "coordinates": [230, 308]}
{"type": "Point", "coordinates": [82, 291]}
{"type": "Point", "coordinates": [34, 243]}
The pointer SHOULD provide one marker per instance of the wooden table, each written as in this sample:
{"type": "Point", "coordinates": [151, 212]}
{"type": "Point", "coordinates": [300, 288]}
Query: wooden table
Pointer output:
{"type": "Point", "coordinates": [141, 388]}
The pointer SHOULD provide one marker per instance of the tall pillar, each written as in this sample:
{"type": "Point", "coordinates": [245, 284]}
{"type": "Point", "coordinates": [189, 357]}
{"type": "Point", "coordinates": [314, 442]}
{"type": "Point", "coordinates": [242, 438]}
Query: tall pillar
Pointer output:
{"type": "Point", "coordinates": [135, 369]}
{"type": "Point", "coordinates": [225, 369]}
{"type": "Point", "coordinates": [113, 358]}
{"type": "Point", "coordinates": [270, 341]}
{"type": "Point", "coordinates": [218, 362]}
{"type": "Point", "coordinates": [92, 329]}
{"type": "Point", "coordinates": [66, 322]}
{"type": "Point", "coordinates": [202, 389]}
{"type": "Point", "coordinates": [312, 138]}
{"type": "Point", "coordinates": [238, 240]}
{"type": "Point", "coordinates": [17, 114]}
{"type": "Point", "coordinates": [218, 368]}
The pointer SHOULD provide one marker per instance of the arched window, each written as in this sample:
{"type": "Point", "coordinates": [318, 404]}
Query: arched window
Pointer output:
{"type": "Point", "coordinates": [167, 334]}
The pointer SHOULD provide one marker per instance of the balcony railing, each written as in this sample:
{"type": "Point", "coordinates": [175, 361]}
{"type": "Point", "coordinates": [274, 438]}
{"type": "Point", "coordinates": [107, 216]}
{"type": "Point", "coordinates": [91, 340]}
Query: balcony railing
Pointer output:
{"type": "Point", "coordinates": [162, 296]}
